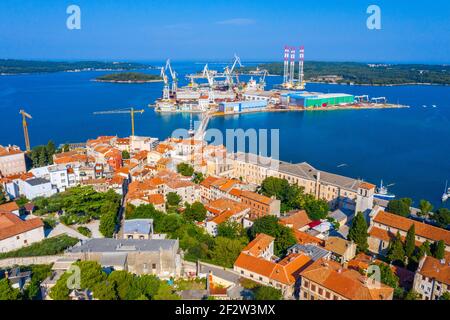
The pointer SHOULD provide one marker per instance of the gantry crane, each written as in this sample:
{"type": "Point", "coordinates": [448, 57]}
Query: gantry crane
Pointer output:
{"type": "Point", "coordinates": [26, 115]}
{"type": "Point", "coordinates": [131, 111]}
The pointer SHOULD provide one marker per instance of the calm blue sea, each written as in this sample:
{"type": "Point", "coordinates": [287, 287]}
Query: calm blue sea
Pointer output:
{"type": "Point", "coordinates": [409, 148]}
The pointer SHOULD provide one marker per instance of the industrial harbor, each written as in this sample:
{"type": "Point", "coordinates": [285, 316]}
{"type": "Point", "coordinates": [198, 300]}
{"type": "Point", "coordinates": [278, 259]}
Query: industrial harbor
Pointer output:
{"type": "Point", "coordinates": [223, 92]}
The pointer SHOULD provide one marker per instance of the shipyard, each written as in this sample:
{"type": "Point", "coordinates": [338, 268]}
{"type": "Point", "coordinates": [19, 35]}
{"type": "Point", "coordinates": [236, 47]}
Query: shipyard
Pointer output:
{"type": "Point", "coordinates": [223, 92]}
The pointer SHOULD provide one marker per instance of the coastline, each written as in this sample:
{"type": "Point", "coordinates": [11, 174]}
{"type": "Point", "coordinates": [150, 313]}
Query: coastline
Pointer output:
{"type": "Point", "coordinates": [335, 108]}
{"type": "Point", "coordinates": [127, 82]}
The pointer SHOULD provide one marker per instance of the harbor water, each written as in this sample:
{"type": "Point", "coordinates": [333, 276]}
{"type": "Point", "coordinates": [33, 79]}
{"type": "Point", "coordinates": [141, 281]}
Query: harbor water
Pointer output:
{"type": "Point", "coordinates": [408, 148]}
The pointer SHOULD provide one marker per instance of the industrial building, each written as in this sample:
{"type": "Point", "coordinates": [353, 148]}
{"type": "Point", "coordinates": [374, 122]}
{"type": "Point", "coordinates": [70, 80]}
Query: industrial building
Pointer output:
{"type": "Point", "coordinates": [242, 106]}
{"type": "Point", "coordinates": [309, 99]}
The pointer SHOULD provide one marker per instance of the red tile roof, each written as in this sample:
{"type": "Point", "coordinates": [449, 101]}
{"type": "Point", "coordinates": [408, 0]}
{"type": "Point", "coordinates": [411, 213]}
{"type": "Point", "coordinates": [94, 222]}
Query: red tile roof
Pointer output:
{"type": "Point", "coordinates": [296, 219]}
{"type": "Point", "coordinates": [258, 245]}
{"type": "Point", "coordinates": [421, 229]}
{"type": "Point", "coordinates": [11, 225]}
{"type": "Point", "coordinates": [9, 207]}
{"type": "Point", "coordinates": [347, 283]}
{"type": "Point", "coordinates": [286, 271]}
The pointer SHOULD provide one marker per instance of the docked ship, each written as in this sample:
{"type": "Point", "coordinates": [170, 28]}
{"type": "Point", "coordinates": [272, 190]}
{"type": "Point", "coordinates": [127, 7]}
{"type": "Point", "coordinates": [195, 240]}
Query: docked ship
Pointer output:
{"type": "Point", "coordinates": [383, 193]}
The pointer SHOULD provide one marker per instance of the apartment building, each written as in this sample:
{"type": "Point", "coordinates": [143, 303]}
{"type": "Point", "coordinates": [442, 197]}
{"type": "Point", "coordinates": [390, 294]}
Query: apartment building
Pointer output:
{"type": "Point", "coordinates": [12, 161]}
{"type": "Point", "coordinates": [432, 278]}
{"type": "Point", "coordinates": [255, 263]}
{"type": "Point", "coordinates": [384, 227]}
{"type": "Point", "coordinates": [338, 191]}
{"type": "Point", "coordinates": [259, 204]}
{"type": "Point", "coordinates": [328, 280]}
{"type": "Point", "coordinates": [222, 210]}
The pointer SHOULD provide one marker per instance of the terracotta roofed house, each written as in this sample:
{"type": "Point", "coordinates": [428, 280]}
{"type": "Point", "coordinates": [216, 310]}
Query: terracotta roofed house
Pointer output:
{"type": "Point", "coordinates": [16, 233]}
{"type": "Point", "coordinates": [432, 277]}
{"type": "Point", "coordinates": [384, 226]}
{"type": "Point", "coordinates": [328, 280]}
{"type": "Point", "coordinates": [255, 263]}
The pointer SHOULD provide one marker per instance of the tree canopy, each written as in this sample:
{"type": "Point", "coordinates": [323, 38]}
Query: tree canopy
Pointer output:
{"type": "Point", "coordinates": [195, 212]}
{"type": "Point", "coordinates": [358, 232]}
{"type": "Point", "coordinates": [267, 293]}
{"type": "Point", "coordinates": [284, 237]}
{"type": "Point", "coordinates": [42, 155]}
{"type": "Point", "coordinates": [185, 169]}
{"type": "Point", "coordinates": [396, 253]}
{"type": "Point", "coordinates": [173, 199]}
{"type": "Point", "coordinates": [400, 207]}
{"type": "Point", "coordinates": [442, 217]}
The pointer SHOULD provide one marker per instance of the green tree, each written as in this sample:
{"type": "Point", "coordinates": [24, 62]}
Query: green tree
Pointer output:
{"type": "Point", "coordinates": [91, 273]}
{"type": "Point", "coordinates": [284, 237]}
{"type": "Point", "coordinates": [445, 296]}
{"type": "Point", "coordinates": [400, 207]}
{"type": "Point", "coordinates": [195, 212]}
{"type": "Point", "coordinates": [65, 148]}
{"type": "Point", "coordinates": [123, 281]}
{"type": "Point", "coordinates": [125, 155]}
{"type": "Point", "coordinates": [283, 191]}
{"type": "Point", "coordinates": [108, 224]}
{"type": "Point", "coordinates": [267, 293]}
{"type": "Point", "coordinates": [396, 253]}
{"type": "Point", "coordinates": [425, 207]}
{"type": "Point", "coordinates": [173, 199]}
{"type": "Point", "coordinates": [185, 169]}
{"type": "Point", "coordinates": [7, 292]}
{"type": "Point", "coordinates": [2, 195]}
{"type": "Point", "coordinates": [21, 201]}
{"type": "Point", "coordinates": [226, 251]}
{"type": "Point", "coordinates": [60, 290]}
{"type": "Point", "coordinates": [316, 209]}
{"type": "Point", "coordinates": [198, 177]}
{"type": "Point", "coordinates": [442, 217]}
{"type": "Point", "coordinates": [438, 249]}
{"type": "Point", "coordinates": [410, 241]}
{"type": "Point", "coordinates": [105, 290]}
{"type": "Point", "coordinates": [358, 232]}
{"type": "Point", "coordinates": [229, 229]}
{"type": "Point", "coordinates": [166, 292]}
{"type": "Point", "coordinates": [412, 295]}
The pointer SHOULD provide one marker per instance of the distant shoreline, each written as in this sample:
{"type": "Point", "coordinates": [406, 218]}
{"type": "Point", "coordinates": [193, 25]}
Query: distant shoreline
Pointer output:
{"type": "Point", "coordinates": [127, 81]}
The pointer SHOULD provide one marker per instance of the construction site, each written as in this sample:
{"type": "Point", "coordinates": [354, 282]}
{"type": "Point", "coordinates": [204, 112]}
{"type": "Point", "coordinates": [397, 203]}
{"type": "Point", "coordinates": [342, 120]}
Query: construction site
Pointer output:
{"type": "Point", "coordinates": [223, 92]}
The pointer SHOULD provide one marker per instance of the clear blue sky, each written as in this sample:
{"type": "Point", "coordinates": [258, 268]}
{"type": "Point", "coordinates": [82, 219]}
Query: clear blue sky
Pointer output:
{"type": "Point", "coordinates": [334, 30]}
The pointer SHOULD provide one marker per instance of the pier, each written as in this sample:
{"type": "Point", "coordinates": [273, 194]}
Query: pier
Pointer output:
{"type": "Point", "coordinates": [201, 130]}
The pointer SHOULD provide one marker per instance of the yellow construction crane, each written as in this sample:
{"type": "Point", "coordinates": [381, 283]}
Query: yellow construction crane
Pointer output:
{"type": "Point", "coordinates": [131, 111]}
{"type": "Point", "coordinates": [25, 128]}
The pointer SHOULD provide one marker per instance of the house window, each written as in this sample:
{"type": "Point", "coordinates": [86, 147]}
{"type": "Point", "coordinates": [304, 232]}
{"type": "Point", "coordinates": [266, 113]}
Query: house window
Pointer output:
{"type": "Point", "coordinates": [313, 287]}
{"type": "Point", "coordinates": [327, 295]}
{"type": "Point", "coordinates": [153, 265]}
{"type": "Point", "coordinates": [305, 295]}
{"type": "Point", "coordinates": [242, 271]}
{"type": "Point", "coordinates": [320, 291]}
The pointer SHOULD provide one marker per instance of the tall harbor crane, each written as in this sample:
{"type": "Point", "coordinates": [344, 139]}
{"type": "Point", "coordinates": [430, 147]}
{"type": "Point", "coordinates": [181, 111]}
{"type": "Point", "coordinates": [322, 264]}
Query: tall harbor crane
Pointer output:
{"type": "Point", "coordinates": [229, 72]}
{"type": "Point", "coordinates": [26, 115]}
{"type": "Point", "coordinates": [173, 74]}
{"type": "Point", "coordinates": [130, 111]}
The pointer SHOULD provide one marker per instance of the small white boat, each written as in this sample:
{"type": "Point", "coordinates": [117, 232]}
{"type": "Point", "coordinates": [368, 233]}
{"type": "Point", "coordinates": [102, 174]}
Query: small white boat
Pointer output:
{"type": "Point", "coordinates": [424, 106]}
{"type": "Point", "coordinates": [446, 193]}
{"type": "Point", "coordinates": [434, 106]}
{"type": "Point", "coordinates": [383, 193]}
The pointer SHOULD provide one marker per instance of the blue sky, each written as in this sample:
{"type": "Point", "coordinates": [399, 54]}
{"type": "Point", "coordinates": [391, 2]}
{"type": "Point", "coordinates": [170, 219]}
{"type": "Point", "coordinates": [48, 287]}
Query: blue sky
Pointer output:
{"type": "Point", "coordinates": [333, 30]}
